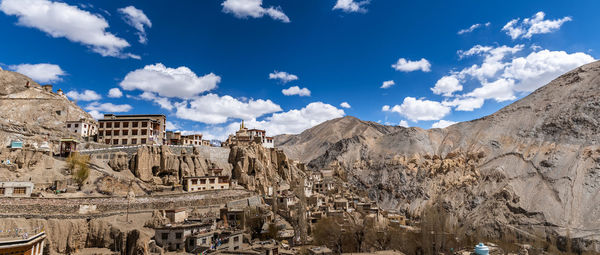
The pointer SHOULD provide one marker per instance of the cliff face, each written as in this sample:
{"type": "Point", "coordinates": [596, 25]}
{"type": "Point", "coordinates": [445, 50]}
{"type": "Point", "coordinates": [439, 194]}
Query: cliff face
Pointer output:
{"type": "Point", "coordinates": [533, 167]}
{"type": "Point", "coordinates": [257, 168]}
{"type": "Point", "coordinates": [31, 114]}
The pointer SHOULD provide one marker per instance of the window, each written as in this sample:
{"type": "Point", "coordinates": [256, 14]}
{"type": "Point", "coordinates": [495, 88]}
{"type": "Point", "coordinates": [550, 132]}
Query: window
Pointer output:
{"type": "Point", "coordinates": [19, 190]}
{"type": "Point", "coordinates": [143, 141]}
{"type": "Point", "coordinates": [117, 124]}
{"type": "Point", "coordinates": [84, 125]}
{"type": "Point", "coordinates": [125, 124]}
{"type": "Point", "coordinates": [107, 141]}
{"type": "Point", "coordinates": [203, 240]}
{"type": "Point", "coordinates": [68, 125]}
{"type": "Point", "coordinates": [134, 124]}
{"type": "Point", "coordinates": [101, 125]}
{"type": "Point", "coordinates": [108, 133]}
{"type": "Point", "coordinates": [108, 125]}
{"type": "Point", "coordinates": [133, 141]}
{"type": "Point", "coordinates": [164, 236]}
{"type": "Point", "coordinates": [144, 131]}
{"type": "Point", "coordinates": [124, 141]}
{"type": "Point", "coordinates": [115, 141]}
{"type": "Point", "coordinates": [125, 132]}
{"type": "Point", "coordinates": [202, 181]}
{"type": "Point", "coordinates": [178, 235]}
{"type": "Point", "coordinates": [76, 125]}
{"type": "Point", "coordinates": [134, 132]}
{"type": "Point", "coordinates": [144, 124]}
{"type": "Point", "coordinates": [1, 191]}
{"type": "Point", "coordinates": [194, 181]}
{"type": "Point", "coordinates": [116, 132]}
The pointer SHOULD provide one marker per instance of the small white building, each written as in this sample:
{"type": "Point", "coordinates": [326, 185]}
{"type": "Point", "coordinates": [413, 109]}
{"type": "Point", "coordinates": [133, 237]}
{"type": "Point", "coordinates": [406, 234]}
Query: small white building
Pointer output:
{"type": "Point", "coordinates": [82, 127]}
{"type": "Point", "coordinates": [268, 142]}
{"type": "Point", "coordinates": [16, 189]}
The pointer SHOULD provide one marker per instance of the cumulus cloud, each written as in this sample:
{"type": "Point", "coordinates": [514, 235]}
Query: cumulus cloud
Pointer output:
{"type": "Point", "coordinates": [163, 102]}
{"type": "Point", "coordinates": [345, 105]}
{"type": "Point", "coordinates": [466, 104]}
{"type": "Point", "coordinates": [138, 20]}
{"type": "Point", "coordinates": [282, 76]}
{"type": "Point", "coordinates": [419, 109]}
{"type": "Point", "coordinates": [115, 93]}
{"type": "Point", "coordinates": [350, 6]}
{"type": "Point", "coordinates": [446, 86]}
{"type": "Point", "coordinates": [178, 82]}
{"type": "Point", "coordinates": [387, 84]}
{"type": "Point", "coordinates": [172, 126]}
{"type": "Point", "coordinates": [472, 28]}
{"type": "Point", "coordinates": [295, 90]}
{"type": "Point", "coordinates": [43, 73]}
{"type": "Point", "coordinates": [410, 66]}
{"type": "Point", "coordinates": [443, 124]}
{"type": "Point", "coordinates": [214, 109]}
{"type": "Point", "coordinates": [108, 107]}
{"type": "Point", "coordinates": [96, 114]}
{"type": "Point", "coordinates": [253, 8]}
{"type": "Point", "coordinates": [534, 25]}
{"type": "Point", "coordinates": [87, 95]}
{"type": "Point", "coordinates": [403, 123]}
{"type": "Point", "coordinates": [59, 19]}
{"type": "Point", "coordinates": [297, 120]}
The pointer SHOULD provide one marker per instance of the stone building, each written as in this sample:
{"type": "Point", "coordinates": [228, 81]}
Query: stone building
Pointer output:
{"type": "Point", "coordinates": [246, 136]}
{"type": "Point", "coordinates": [173, 138]}
{"type": "Point", "coordinates": [219, 240]}
{"type": "Point", "coordinates": [194, 139]}
{"type": "Point", "coordinates": [16, 189]}
{"type": "Point", "coordinates": [132, 129]}
{"type": "Point", "coordinates": [214, 180]}
{"type": "Point", "coordinates": [172, 237]}
{"type": "Point", "coordinates": [82, 127]}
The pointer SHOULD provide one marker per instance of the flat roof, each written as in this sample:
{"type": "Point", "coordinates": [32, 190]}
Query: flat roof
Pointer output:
{"type": "Point", "coordinates": [135, 115]}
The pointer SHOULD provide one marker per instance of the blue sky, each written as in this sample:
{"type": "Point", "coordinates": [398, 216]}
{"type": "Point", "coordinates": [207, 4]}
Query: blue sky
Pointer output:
{"type": "Point", "coordinates": [206, 65]}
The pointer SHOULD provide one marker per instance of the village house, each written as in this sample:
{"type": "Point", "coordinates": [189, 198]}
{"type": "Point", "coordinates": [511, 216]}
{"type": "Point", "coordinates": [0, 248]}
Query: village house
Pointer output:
{"type": "Point", "coordinates": [82, 127]}
{"type": "Point", "coordinates": [218, 240]}
{"type": "Point", "coordinates": [246, 136]}
{"type": "Point", "coordinates": [214, 180]}
{"type": "Point", "coordinates": [132, 129]}
{"type": "Point", "coordinates": [173, 138]}
{"type": "Point", "coordinates": [173, 237]}
{"type": "Point", "coordinates": [194, 139]}
{"type": "Point", "coordinates": [16, 189]}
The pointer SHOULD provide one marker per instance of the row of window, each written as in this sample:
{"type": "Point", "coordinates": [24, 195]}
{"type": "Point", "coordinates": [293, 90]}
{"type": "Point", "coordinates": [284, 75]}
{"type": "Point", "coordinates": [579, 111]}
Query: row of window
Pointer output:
{"type": "Point", "coordinates": [16, 190]}
{"type": "Point", "coordinates": [124, 141]}
{"type": "Point", "coordinates": [76, 125]}
{"type": "Point", "coordinates": [117, 124]}
{"type": "Point", "coordinates": [125, 132]}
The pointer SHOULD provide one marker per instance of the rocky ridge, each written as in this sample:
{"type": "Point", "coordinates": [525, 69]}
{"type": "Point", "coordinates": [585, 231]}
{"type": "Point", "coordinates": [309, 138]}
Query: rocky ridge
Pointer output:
{"type": "Point", "coordinates": [531, 169]}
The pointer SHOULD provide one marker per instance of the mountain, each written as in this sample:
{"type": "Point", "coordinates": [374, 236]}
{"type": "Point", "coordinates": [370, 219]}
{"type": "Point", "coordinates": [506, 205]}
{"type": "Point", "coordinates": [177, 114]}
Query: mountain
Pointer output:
{"type": "Point", "coordinates": [31, 113]}
{"type": "Point", "coordinates": [532, 169]}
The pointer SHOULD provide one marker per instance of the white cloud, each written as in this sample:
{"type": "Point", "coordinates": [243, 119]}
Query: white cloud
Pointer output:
{"type": "Point", "coordinates": [87, 95]}
{"type": "Point", "coordinates": [419, 109]}
{"type": "Point", "coordinates": [172, 126]}
{"type": "Point", "coordinates": [108, 107]}
{"type": "Point", "coordinates": [169, 82]}
{"type": "Point", "coordinates": [539, 68]}
{"type": "Point", "coordinates": [466, 104]}
{"type": "Point", "coordinates": [446, 86]}
{"type": "Point", "coordinates": [213, 109]}
{"type": "Point", "coordinates": [385, 108]}
{"type": "Point", "coordinates": [59, 19]}
{"type": "Point", "coordinates": [115, 93]}
{"type": "Point", "coordinates": [345, 105]}
{"type": "Point", "coordinates": [295, 90]}
{"type": "Point", "coordinates": [253, 8]}
{"type": "Point", "coordinates": [282, 76]}
{"type": "Point", "coordinates": [534, 25]}
{"type": "Point", "coordinates": [409, 66]}
{"type": "Point", "coordinates": [387, 84]}
{"type": "Point", "coordinates": [297, 120]}
{"type": "Point", "coordinates": [96, 114]}
{"type": "Point", "coordinates": [43, 73]}
{"type": "Point", "coordinates": [403, 123]}
{"type": "Point", "coordinates": [350, 6]}
{"type": "Point", "coordinates": [443, 124]}
{"type": "Point", "coordinates": [472, 28]}
{"type": "Point", "coordinates": [137, 19]}
{"type": "Point", "coordinates": [163, 102]}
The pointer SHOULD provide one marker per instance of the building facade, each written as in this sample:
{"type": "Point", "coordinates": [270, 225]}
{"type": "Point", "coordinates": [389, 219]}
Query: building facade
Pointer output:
{"type": "Point", "coordinates": [195, 139]}
{"type": "Point", "coordinates": [212, 181]}
{"type": "Point", "coordinates": [246, 136]}
{"type": "Point", "coordinates": [30, 245]}
{"type": "Point", "coordinates": [132, 129]}
{"type": "Point", "coordinates": [16, 189]}
{"type": "Point", "coordinates": [82, 127]}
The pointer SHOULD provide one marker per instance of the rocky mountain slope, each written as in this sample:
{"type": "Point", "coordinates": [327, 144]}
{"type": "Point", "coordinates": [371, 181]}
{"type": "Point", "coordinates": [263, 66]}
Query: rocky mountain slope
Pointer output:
{"type": "Point", "coordinates": [31, 114]}
{"type": "Point", "coordinates": [532, 169]}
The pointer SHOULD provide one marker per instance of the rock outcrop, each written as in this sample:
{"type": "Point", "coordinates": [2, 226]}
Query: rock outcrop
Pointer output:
{"type": "Point", "coordinates": [529, 170]}
{"type": "Point", "coordinates": [257, 168]}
